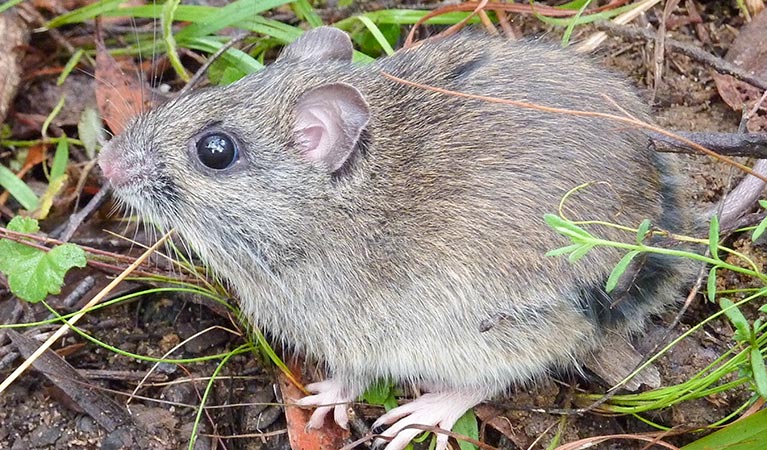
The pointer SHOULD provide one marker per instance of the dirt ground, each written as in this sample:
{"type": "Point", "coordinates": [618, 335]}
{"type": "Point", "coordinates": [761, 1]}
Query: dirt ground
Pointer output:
{"type": "Point", "coordinates": [36, 414]}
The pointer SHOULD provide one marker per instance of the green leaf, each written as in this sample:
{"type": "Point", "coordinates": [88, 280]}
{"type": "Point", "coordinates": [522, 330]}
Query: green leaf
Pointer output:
{"type": "Point", "coordinates": [566, 228]}
{"type": "Point", "coordinates": [233, 56]}
{"type": "Point", "coordinates": [60, 159]}
{"type": "Point", "coordinates": [580, 252]}
{"type": "Point", "coordinates": [55, 112]}
{"type": "Point", "coordinates": [467, 426]}
{"type": "Point", "coordinates": [763, 204]}
{"type": "Point", "coordinates": [18, 189]}
{"type": "Point", "coordinates": [759, 371]}
{"type": "Point", "coordinates": [619, 269]}
{"type": "Point", "coordinates": [563, 250]}
{"type": "Point", "coordinates": [377, 35]}
{"type": "Point", "coordinates": [381, 393]}
{"type": "Point", "coordinates": [759, 229]}
{"type": "Point", "coordinates": [571, 26]}
{"type": "Point", "coordinates": [739, 321]}
{"type": "Point", "coordinates": [168, 12]}
{"type": "Point", "coordinates": [644, 227]}
{"type": "Point", "coordinates": [713, 237]}
{"type": "Point", "coordinates": [90, 130]}
{"type": "Point", "coordinates": [9, 4]}
{"type": "Point", "coordinates": [227, 16]}
{"type": "Point", "coordinates": [84, 13]}
{"type": "Point", "coordinates": [22, 224]}
{"type": "Point", "coordinates": [749, 433]}
{"type": "Point", "coordinates": [304, 11]}
{"type": "Point", "coordinates": [69, 66]}
{"type": "Point", "coordinates": [33, 273]}
{"type": "Point", "coordinates": [230, 75]}
{"type": "Point", "coordinates": [711, 284]}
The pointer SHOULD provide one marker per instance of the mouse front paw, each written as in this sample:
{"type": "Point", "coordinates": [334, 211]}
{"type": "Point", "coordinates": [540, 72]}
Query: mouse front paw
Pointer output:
{"type": "Point", "coordinates": [440, 409]}
{"type": "Point", "coordinates": [328, 395]}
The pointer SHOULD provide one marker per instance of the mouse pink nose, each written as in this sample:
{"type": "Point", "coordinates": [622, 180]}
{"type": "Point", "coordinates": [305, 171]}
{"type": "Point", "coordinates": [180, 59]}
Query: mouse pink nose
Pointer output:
{"type": "Point", "coordinates": [112, 166]}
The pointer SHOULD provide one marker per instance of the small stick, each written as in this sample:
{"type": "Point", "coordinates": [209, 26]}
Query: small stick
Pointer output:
{"type": "Point", "coordinates": [730, 144]}
{"type": "Point", "coordinates": [79, 217]}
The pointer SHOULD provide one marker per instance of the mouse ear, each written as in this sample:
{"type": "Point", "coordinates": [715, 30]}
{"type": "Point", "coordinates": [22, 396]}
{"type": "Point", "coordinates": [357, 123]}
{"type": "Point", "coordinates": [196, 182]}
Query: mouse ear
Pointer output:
{"type": "Point", "coordinates": [320, 44]}
{"type": "Point", "coordinates": [329, 121]}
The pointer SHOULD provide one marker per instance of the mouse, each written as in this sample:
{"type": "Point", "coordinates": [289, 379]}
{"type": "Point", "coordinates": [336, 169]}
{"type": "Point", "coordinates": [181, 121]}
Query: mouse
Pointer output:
{"type": "Point", "coordinates": [379, 228]}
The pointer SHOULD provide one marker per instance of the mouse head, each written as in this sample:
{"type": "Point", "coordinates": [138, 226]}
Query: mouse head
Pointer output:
{"type": "Point", "coordinates": [255, 160]}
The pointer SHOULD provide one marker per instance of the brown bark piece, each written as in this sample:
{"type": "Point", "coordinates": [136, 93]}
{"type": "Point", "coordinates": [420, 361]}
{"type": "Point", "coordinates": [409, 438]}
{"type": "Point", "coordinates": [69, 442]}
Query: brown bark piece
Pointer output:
{"type": "Point", "coordinates": [13, 36]}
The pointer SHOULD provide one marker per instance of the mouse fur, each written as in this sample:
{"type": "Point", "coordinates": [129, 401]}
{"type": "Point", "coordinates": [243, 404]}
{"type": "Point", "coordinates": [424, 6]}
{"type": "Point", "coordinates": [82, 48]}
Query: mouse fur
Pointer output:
{"type": "Point", "coordinates": [388, 261]}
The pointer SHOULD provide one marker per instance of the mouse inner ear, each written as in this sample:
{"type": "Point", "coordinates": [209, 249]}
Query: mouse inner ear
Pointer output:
{"type": "Point", "coordinates": [320, 44]}
{"type": "Point", "coordinates": [329, 121]}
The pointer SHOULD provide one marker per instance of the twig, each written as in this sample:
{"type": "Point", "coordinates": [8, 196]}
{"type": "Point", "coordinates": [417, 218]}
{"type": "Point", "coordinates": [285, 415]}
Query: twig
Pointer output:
{"type": "Point", "coordinates": [696, 53]}
{"type": "Point", "coordinates": [730, 144]}
{"type": "Point", "coordinates": [65, 233]}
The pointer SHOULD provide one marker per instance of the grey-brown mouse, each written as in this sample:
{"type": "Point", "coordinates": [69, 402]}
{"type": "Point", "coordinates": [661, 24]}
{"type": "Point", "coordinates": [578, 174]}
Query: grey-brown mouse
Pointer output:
{"type": "Point", "coordinates": [379, 227]}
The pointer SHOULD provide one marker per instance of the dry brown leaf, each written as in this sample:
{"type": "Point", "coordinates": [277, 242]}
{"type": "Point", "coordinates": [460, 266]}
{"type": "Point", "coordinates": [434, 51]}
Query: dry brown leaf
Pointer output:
{"type": "Point", "coordinates": [330, 437]}
{"type": "Point", "coordinates": [120, 96]}
{"type": "Point", "coordinates": [749, 51]}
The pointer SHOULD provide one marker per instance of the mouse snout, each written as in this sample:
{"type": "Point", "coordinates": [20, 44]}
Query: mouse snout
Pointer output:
{"type": "Point", "coordinates": [112, 166]}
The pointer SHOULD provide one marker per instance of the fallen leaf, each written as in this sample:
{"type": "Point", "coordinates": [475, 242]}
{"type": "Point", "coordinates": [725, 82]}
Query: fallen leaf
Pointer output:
{"type": "Point", "coordinates": [330, 437]}
{"type": "Point", "coordinates": [749, 51]}
{"type": "Point", "coordinates": [119, 96]}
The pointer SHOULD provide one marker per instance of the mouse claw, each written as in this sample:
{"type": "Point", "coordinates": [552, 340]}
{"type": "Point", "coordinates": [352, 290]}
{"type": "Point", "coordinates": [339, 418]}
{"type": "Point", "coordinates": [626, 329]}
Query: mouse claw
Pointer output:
{"type": "Point", "coordinates": [328, 395]}
{"type": "Point", "coordinates": [440, 409]}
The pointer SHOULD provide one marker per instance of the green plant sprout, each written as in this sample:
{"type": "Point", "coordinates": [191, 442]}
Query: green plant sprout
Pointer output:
{"type": "Point", "coordinates": [742, 364]}
{"type": "Point", "coordinates": [34, 273]}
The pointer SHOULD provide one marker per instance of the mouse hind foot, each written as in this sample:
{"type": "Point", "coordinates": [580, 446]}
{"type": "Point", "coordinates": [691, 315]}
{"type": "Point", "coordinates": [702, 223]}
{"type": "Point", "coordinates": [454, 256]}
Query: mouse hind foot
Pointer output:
{"type": "Point", "coordinates": [440, 409]}
{"type": "Point", "coordinates": [329, 395]}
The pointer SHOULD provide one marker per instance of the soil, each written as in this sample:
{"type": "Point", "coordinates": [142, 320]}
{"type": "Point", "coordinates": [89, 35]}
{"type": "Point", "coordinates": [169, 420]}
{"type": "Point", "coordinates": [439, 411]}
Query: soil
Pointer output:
{"type": "Point", "coordinates": [244, 411]}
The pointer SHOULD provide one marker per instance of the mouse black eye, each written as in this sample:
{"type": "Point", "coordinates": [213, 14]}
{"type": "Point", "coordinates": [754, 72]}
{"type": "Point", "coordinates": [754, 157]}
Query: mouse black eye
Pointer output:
{"type": "Point", "coordinates": [217, 150]}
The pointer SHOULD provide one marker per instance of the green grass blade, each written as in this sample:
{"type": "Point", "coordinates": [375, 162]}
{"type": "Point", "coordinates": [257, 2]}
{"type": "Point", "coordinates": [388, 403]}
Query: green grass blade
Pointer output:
{"type": "Point", "coordinates": [18, 189]}
{"type": "Point", "coordinates": [168, 12]}
{"type": "Point", "coordinates": [711, 285]}
{"type": "Point", "coordinates": [619, 269]}
{"type": "Point", "coordinates": [84, 13]}
{"type": "Point", "coordinates": [234, 57]}
{"type": "Point", "coordinates": [738, 320]}
{"type": "Point", "coordinates": [9, 4]}
{"type": "Point", "coordinates": [571, 26]}
{"type": "Point", "coordinates": [60, 159]}
{"type": "Point", "coordinates": [377, 34]}
{"type": "Point", "coordinates": [759, 371]}
{"type": "Point", "coordinates": [404, 17]}
{"type": "Point", "coordinates": [69, 66]}
{"type": "Point", "coordinates": [230, 14]}
{"type": "Point", "coordinates": [747, 434]}
{"type": "Point", "coordinates": [304, 11]}
{"type": "Point", "coordinates": [713, 237]}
